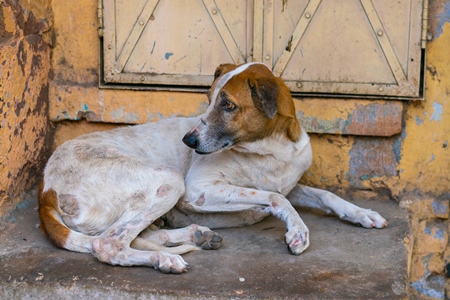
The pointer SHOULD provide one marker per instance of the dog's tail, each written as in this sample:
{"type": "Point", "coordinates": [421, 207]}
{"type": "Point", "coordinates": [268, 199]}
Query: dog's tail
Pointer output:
{"type": "Point", "coordinates": [54, 229]}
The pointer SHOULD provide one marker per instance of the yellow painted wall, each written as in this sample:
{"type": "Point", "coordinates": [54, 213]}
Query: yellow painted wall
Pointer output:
{"type": "Point", "coordinates": [425, 163]}
{"type": "Point", "coordinates": [24, 69]}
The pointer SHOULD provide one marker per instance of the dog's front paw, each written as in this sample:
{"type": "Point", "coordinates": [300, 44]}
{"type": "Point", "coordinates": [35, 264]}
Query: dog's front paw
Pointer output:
{"type": "Point", "coordinates": [208, 240]}
{"type": "Point", "coordinates": [297, 241]}
{"type": "Point", "coordinates": [169, 263]}
{"type": "Point", "coordinates": [369, 219]}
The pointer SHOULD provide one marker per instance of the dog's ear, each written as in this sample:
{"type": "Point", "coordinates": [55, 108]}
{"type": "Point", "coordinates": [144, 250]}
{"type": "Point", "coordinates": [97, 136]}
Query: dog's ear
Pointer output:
{"type": "Point", "coordinates": [264, 95]}
{"type": "Point", "coordinates": [222, 69]}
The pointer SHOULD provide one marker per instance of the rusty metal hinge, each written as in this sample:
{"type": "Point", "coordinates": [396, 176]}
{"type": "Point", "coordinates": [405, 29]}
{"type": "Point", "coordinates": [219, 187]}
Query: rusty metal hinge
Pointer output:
{"type": "Point", "coordinates": [424, 24]}
{"type": "Point", "coordinates": [100, 17]}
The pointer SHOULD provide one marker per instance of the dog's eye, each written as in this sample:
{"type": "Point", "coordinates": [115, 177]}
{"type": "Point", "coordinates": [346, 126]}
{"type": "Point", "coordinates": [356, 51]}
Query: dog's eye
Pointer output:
{"type": "Point", "coordinates": [228, 105]}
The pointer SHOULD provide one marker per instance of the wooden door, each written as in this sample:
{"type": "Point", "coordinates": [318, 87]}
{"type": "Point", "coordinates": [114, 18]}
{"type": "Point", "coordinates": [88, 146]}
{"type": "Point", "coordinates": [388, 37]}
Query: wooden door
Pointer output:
{"type": "Point", "coordinates": [172, 42]}
{"type": "Point", "coordinates": [350, 47]}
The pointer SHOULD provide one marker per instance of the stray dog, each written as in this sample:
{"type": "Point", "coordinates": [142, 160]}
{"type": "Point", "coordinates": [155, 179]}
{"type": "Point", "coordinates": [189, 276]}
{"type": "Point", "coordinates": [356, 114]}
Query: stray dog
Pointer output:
{"type": "Point", "coordinates": [106, 193]}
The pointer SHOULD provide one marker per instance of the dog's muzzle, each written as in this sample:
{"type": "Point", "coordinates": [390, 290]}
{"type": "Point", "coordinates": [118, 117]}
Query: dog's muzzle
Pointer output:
{"type": "Point", "coordinates": [191, 139]}
{"type": "Point", "coordinates": [203, 143]}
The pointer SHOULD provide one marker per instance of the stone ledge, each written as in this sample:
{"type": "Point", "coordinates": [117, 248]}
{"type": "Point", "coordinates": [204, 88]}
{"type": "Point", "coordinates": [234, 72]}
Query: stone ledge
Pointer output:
{"type": "Point", "coordinates": [350, 116]}
{"type": "Point", "coordinates": [360, 117]}
{"type": "Point", "coordinates": [343, 262]}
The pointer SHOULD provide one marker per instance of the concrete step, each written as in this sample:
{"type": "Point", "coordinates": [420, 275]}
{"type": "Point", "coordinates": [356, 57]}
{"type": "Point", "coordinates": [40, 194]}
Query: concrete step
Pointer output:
{"type": "Point", "coordinates": [343, 262]}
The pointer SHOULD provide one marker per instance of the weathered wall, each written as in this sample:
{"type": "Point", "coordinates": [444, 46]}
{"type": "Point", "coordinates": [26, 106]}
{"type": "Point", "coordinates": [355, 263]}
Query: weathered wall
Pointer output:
{"type": "Point", "coordinates": [24, 69]}
{"type": "Point", "coordinates": [385, 149]}
{"type": "Point", "coordinates": [425, 163]}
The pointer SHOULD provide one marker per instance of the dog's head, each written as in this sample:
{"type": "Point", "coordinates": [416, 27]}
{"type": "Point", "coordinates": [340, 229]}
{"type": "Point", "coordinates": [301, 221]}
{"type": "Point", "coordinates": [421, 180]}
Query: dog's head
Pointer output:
{"type": "Point", "coordinates": [247, 103]}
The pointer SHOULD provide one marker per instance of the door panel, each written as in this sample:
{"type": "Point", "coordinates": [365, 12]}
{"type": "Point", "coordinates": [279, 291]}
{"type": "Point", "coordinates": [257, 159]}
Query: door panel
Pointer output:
{"type": "Point", "coordinates": [351, 47]}
{"type": "Point", "coordinates": [173, 42]}
{"type": "Point", "coordinates": [357, 47]}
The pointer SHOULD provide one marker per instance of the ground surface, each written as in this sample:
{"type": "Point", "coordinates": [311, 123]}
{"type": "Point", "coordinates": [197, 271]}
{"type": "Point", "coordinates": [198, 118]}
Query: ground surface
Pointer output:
{"type": "Point", "coordinates": [343, 262]}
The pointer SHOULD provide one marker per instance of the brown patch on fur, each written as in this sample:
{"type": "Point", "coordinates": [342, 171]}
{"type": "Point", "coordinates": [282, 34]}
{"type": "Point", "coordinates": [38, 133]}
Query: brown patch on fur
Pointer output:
{"type": "Point", "coordinates": [222, 69]}
{"type": "Point", "coordinates": [265, 104]}
{"type": "Point", "coordinates": [51, 226]}
{"type": "Point", "coordinates": [287, 121]}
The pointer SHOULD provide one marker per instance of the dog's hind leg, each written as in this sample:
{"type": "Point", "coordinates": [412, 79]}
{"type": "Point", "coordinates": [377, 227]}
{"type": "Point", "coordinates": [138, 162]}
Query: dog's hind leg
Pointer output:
{"type": "Point", "coordinates": [113, 245]}
{"type": "Point", "coordinates": [179, 241]}
{"type": "Point", "coordinates": [306, 196]}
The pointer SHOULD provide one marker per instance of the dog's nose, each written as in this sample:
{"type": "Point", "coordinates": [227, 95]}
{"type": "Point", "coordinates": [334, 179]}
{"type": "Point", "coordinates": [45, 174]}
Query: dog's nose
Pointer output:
{"type": "Point", "coordinates": [190, 139]}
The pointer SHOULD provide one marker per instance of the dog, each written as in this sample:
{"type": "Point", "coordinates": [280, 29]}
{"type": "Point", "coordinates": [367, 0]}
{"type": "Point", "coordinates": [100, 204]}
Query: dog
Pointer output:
{"type": "Point", "coordinates": [108, 193]}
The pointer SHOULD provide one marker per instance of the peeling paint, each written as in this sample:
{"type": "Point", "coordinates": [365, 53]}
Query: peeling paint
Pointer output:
{"type": "Point", "coordinates": [374, 119]}
{"type": "Point", "coordinates": [168, 55]}
{"type": "Point", "coordinates": [437, 112]}
{"type": "Point", "coordinates": [432, 286]}
{"type": "Point", "coordinates": [439, 234]}
{"type": "Point", "coordinates": [314, 124]}
{"type": "Point", "coordinates": [397, 146]}
{"type": "Point", "coordinates": [440, 208]}
{"type": "Point", "coordinates": [119, 115]}
{"type": "Point", "coordinates": [371, 158]}
{"type": "Point", "coordinates": [419, 121]}
{"type": "Point", "coordinates": [24, 129]}
{"type": "Point", "coordinates": [443, 18]}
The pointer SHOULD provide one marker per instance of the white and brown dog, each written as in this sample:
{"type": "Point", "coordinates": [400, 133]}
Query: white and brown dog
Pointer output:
{"type": "Point", "coordinates": [103, 192]}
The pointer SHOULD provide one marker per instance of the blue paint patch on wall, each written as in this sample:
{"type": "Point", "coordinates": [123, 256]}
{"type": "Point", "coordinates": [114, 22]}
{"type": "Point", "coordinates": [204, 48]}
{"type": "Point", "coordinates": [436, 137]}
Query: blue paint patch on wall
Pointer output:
{"type": "Point", "coordinates": [85, 107]}
{"type": "Point", "coordinates": [313, 124]}
{"type": "Point", "coordinates": [432, 286]}
{"type": "Point", "coordinates": [397, 145]}
{"type": "Point", "coordinates": [419, 121]}
{"type": "Point", "coordinates": [369, 158]}
{"type": "Point", "coordinates": [439, 207]}
{"type": "Point", "coordinates": [443, 18]}
{"type": "Point", "coordinates": [365, 120]}
{"type": "Point", "coordinates": [168, 55]}
{"type": "Point", "coordinates": [369, 114]}
{"type": "Point", "coordinates": [437, 112]}
{"type": "Point", "coordinates": [439, 234]}
{"type": "Point", "coordinates": [365, 177]}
